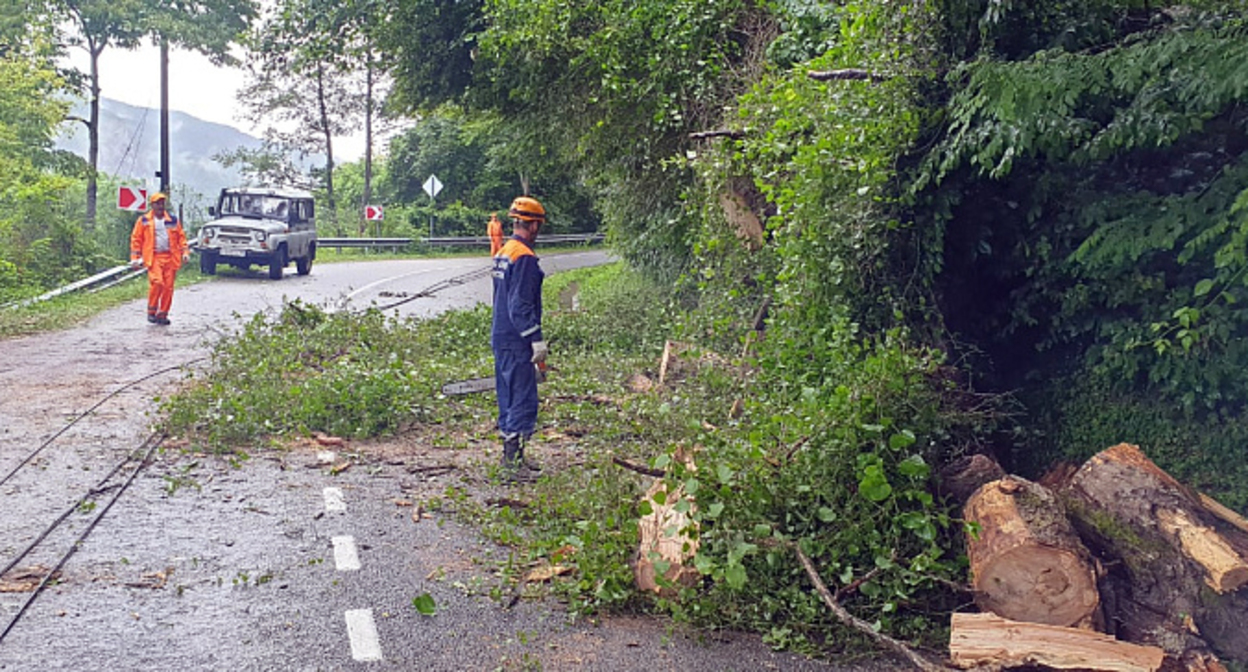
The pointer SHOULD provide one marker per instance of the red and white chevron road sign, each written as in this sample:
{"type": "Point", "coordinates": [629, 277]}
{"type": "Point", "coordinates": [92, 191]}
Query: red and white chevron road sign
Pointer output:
{"type": "Point", "coordinates": [131, 198]}
{"type": "Point", "coordinates": [374, 213]}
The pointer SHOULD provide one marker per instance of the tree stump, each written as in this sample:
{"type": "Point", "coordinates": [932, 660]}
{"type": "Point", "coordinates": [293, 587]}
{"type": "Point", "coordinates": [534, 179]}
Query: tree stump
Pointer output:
{"type": "Point", "coordinates": [1027, 562]}
{"type": "Point", "coordinates": [1175, 568]}
{"type": "Point", "coordinates": [666, 548]}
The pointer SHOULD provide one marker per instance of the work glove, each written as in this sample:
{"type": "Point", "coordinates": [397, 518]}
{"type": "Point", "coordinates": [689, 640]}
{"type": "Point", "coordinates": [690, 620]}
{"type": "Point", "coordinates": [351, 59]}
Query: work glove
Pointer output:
{"type": "Point", "coordinates": [540, 350]}
{"type": "Point", "coordinates": [136, 263]}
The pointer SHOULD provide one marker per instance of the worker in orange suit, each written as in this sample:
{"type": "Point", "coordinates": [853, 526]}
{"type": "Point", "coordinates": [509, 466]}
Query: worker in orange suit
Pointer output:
{"type": "Point", "coordinates": [496, 234]}
{"type": "Point", "coordinates": [158, 242]}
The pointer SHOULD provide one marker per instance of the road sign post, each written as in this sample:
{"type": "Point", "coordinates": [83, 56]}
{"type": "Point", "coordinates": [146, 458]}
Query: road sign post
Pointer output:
{"type": "Point", "coordinates": [132, 198]}
{"type": "Point", "coordinates": [374, 213]}
{"type": "Point", "coordinates": [432, 186]}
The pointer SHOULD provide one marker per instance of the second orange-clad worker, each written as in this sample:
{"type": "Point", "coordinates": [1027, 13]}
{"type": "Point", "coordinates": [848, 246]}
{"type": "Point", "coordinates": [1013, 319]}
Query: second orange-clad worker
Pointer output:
{"type": "Point", "coordinates": [158, 243]}
{"type": "Point", "coordinates": [495, 229]}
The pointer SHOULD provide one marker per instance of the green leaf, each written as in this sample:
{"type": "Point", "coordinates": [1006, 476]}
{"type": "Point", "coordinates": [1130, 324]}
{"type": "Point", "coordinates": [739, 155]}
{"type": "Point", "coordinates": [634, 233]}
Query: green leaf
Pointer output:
{"type": "Point", "coordinates": [874, 486]}
{"type": "Point", "coordinates": [901, 439]}
{"type": "Point", "coordinates": [914, 467]}
{"type": "Point", "coordinates": [424, 604]}
{"type": "Point", "coordinates": [1203, 287]}
{"type": "Point", "coordinates": [826, 515]}
{"type": "Point", "coordinates": [735, 576]}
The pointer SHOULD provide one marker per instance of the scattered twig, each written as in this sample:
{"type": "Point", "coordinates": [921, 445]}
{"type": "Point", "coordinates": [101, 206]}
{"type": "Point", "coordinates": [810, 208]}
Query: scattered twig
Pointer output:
{"type": "Point", "coordinates": [861, 625]}
{"type": "Point", "coordinates": [721, 133]}
{"type": "Point", "coordinates": [433, 469]}
{"type": "Point", "coordinates": [788, 457]}
{"type": "Point", "coordinates": [855, 584]}
{"type": "Point", "coordinates": [646, 471]}
{"type": "Point", "coordinates": [844, 74]}
{"type": "Point", "coordinates": [507, 501]}
{"type": "Point", "coordinates": [596, 399]}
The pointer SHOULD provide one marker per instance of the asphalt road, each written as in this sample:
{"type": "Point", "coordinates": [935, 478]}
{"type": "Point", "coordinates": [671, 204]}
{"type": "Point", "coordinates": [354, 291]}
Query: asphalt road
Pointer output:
{"type": "Point", "coordinates": [276, 563]}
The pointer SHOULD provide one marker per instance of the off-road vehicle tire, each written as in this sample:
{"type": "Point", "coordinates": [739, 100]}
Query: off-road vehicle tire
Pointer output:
{"type": "Point", "coordinates": [303, 265]}
{"type": "Point", "coordinates": [278, 263]}
{"type": "Point", "coordinates": [207, 263]}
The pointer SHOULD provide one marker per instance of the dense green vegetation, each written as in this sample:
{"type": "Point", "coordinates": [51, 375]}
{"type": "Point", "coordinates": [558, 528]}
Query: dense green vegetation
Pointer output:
{"type": "Point", "coordinates": [1007, 227]}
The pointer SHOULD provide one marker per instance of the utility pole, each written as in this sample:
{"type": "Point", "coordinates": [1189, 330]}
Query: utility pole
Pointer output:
{"type": "Point", "coordinates": [164, 117]}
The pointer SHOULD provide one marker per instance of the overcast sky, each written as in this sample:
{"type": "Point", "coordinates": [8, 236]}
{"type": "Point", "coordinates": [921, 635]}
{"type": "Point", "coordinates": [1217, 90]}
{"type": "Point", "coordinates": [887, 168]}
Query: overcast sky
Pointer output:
{"type": "Point", "coordinates": [196, 87]}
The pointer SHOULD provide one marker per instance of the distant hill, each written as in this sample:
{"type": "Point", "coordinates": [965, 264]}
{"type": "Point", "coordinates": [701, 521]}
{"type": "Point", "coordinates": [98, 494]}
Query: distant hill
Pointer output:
{"type": "Point", "coordinates": [130, 145]}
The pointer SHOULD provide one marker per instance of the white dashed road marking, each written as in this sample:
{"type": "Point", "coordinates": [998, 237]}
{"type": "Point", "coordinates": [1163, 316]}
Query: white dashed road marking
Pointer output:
{"type": "Point", "coordinates": [365, 645]}
{"type": "Point", "coordinates": [345, 557]}
{"type": "Point", "coordinates": [334, 500]}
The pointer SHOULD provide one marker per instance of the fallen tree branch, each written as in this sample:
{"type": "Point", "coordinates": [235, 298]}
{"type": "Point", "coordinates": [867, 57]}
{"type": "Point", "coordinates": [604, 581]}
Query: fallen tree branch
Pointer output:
{"type": "Point", "coordinates": [845, 74]}
{"type": "Point", "coordinates": [439, 468]}
{"type": "Point", "coordinates": [861, 625]}
{"type": "Point", "coordinates": [646, 471]}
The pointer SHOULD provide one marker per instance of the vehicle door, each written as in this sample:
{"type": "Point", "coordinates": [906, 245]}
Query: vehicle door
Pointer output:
{"type": "Point", "coordinates": [300, 229]}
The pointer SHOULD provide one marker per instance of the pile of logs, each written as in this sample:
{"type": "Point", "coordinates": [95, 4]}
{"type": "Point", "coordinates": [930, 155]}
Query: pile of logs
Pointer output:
{"type": "Point", "coordinates": [1111, 566]}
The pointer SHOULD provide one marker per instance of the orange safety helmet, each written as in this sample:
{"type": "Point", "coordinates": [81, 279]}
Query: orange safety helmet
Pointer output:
{"type": "Point", "coordinates": [527, 209]}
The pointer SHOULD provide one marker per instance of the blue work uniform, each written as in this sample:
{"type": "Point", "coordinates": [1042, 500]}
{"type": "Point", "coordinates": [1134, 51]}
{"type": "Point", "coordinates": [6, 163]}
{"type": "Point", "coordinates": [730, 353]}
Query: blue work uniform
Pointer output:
{"type": "Point", "coordinates": [517, 325]}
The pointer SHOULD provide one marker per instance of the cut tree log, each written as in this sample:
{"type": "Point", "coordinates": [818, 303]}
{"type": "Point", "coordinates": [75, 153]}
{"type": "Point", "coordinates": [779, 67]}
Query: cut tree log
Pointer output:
{"type": "Point", "coordinates": [1027, 562]}
{"type": "Point", "coordinates": [1175, 569]}
{"type": "Point", "coordinates": [963, 476]}
{"type": "Point", "coordinates": [989, 640]}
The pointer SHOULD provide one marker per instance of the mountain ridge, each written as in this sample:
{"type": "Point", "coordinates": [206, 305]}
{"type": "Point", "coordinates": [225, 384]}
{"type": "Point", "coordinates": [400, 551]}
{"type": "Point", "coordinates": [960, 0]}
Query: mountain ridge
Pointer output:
{"type": "Point", "coordinates": [130, 146]}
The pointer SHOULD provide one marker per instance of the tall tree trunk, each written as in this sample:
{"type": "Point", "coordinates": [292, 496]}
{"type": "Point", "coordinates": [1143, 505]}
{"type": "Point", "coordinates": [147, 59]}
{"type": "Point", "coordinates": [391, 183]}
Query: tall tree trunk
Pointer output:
{"type": "Point", "coordinates": [93, 132]}
{"type": "Point", "coordinates": [368, 132]}
{"type": "Point", "coordinates": [329, 148]}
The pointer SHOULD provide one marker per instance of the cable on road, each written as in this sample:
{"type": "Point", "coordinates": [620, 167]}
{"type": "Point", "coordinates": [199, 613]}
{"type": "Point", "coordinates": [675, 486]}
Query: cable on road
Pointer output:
{"type": "Point", "coordinates": [455, 281]}
{"type": "Point", "coordinates": [152, 442]}
{"type": "Point", "coordinates": [89, 411]}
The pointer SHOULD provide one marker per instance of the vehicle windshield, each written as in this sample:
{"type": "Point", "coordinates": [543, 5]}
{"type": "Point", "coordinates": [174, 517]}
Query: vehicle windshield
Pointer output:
{"type": "Point", "coordinates": [256, 205]}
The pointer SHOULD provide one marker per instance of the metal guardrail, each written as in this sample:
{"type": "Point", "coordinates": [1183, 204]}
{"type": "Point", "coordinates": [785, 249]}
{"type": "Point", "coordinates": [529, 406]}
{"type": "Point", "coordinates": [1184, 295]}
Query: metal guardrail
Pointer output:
{"type": "Point", "coordinates": [104, 280]}
{"type": "Point", "coordinates": [483, 241]}
{"type": "Point", "coordinates": [119, 274]}
{"type": "Point", "coordinates": [395, 244]}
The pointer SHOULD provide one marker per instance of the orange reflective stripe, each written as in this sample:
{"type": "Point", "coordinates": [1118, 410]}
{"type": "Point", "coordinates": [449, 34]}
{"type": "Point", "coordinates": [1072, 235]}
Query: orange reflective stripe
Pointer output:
{"type": "Point", "coordinates": [514, 249]}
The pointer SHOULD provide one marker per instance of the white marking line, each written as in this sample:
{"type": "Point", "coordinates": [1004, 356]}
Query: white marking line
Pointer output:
{"type": "Point", "coordinates": [365, 644]}
{"type": "Point", "coordinates": [326, 457]}
{"type": "Point", "coordinates": [334, 500]}
{"type": "Point", "coordinates": [345, 557]}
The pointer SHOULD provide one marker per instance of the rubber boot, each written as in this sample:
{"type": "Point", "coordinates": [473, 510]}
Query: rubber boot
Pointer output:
{"type": "Point", "coordinates": [511, 458]}
{"type": "Point", "coordinates": [525, 462]}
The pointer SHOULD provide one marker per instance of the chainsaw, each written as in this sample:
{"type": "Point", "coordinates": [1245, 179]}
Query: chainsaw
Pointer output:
{"type": "Point", "coordinates": [473, 385]}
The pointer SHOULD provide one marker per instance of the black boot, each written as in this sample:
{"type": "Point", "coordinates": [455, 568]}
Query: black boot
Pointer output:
{"type": "Point", "coordinates": [525, 462]}
{"type": "Point", "coordinates": [511, 457]}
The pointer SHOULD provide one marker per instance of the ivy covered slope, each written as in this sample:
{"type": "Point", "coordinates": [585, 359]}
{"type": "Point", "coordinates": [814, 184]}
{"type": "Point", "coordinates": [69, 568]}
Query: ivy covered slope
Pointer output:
{"type": "Point", "coordinates": [1093, 203]}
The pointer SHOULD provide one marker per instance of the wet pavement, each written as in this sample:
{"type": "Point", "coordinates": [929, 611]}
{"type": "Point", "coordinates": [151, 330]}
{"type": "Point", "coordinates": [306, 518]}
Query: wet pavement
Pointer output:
{"type": "Point", "coordinates": [277, 562]}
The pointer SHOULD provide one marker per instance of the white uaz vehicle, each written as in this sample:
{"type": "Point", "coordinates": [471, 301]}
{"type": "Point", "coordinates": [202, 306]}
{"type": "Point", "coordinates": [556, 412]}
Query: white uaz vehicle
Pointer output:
{"type": "Point", "coordinates": [256, 226]}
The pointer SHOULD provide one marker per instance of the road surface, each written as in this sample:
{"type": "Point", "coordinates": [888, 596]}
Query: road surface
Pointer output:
{"type": "Point", "coordinates": [274, 563]}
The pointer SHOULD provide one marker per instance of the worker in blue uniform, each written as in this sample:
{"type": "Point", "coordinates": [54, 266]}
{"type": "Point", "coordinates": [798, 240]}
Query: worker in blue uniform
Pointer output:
{"type": "Point", "coordinates": [516, 335]}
